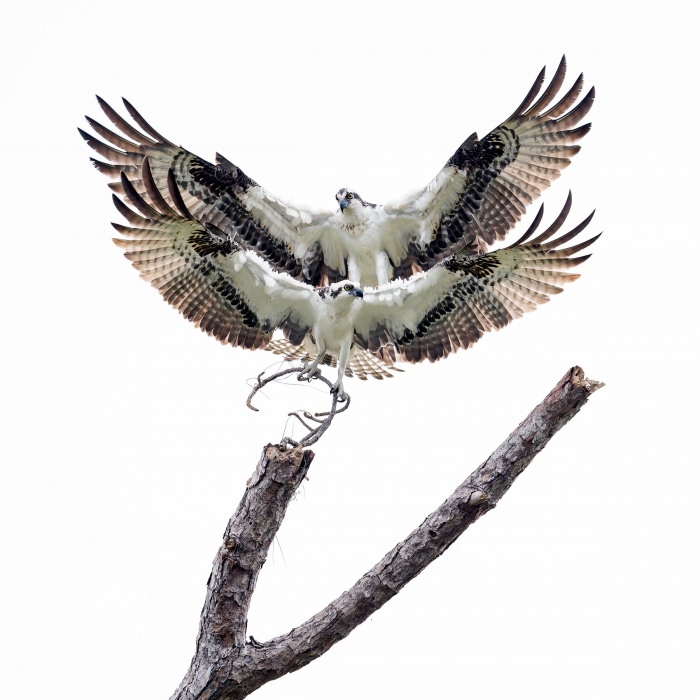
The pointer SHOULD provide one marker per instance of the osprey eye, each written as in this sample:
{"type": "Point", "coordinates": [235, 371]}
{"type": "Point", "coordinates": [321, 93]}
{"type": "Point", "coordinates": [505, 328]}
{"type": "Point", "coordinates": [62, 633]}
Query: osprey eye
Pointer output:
{"type": "Point", "coordinates": [348, 195]}
{"type": "Point", "coordinates": [347, 287]}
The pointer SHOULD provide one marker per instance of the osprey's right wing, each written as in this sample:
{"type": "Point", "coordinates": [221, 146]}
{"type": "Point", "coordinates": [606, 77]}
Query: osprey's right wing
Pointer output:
{"type": "Point", "coordinates": [224, 290]}
{"type": "Point", "coordinates": [220, 194]}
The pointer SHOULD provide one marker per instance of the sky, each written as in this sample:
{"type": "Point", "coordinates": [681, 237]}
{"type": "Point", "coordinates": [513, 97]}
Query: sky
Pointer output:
{"type": "Point", "coordinates": [126, 441]}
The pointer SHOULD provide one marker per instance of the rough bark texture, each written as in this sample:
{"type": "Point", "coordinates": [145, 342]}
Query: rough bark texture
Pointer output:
{"type": "Point", "coordinates": [226, 667]}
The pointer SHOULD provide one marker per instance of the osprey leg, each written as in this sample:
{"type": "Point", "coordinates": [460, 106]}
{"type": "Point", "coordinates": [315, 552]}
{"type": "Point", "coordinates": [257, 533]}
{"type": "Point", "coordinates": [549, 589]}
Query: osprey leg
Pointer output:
{"type": "Point", "coordinates": [309, 369]}
{"type": "Point", "coordinates": [342, 364]}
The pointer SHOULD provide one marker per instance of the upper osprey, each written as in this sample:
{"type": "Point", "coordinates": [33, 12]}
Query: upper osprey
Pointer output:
{"type": "Point", "coordinates": [475, 199]}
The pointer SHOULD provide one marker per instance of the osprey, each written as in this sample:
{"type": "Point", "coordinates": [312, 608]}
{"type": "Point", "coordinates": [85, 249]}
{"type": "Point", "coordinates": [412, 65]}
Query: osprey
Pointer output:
{"type": "Point", "coordinates": [478, 196]}
{"type": "Point", "coordinates": [235, 296]}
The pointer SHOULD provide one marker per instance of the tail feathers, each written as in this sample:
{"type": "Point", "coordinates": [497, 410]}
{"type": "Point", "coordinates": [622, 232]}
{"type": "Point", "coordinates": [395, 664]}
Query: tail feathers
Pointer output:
{"type": "Point", "coordinates": [291, 352]}
{"type": "Point", "coordinates": [361, 364]}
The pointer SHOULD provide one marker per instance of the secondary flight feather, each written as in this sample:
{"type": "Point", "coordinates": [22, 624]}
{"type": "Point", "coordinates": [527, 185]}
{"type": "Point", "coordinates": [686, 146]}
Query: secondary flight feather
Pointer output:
{"type": "Point", "coordinates": [238, 298]}
{"type": "Point", "coordinates": [476, 199]}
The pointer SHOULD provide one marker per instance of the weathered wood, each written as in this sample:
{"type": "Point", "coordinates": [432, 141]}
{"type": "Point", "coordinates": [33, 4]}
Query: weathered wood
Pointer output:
{"type": "Point", "coordinates": [246, 542]}
{"type": "Point", "coordinates": [227, 667]}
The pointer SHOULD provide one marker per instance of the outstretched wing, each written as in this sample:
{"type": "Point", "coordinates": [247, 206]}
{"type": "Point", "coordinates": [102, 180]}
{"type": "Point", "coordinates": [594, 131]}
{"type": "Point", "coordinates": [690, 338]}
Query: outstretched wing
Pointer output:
{"type": "Point", "coordinates": [294, 241]}
{"type": "Point", "coordinates": [224, 290]}
{"type": "Point", "coordinates": [484, 188]}
{"type": "Point", "coordinates": [452, 305]}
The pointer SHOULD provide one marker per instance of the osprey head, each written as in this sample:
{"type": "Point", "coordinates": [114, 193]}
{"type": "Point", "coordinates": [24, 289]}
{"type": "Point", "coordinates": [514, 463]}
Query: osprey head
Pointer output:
{"type": "Point", "coordinates": [346, 199]}
{"type": "Point", "coordinates": [345, 289]}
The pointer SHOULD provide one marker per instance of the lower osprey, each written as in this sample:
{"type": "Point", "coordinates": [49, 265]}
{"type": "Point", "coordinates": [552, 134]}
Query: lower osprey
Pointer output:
{"type": "Point", "coordinates": [235, 296]}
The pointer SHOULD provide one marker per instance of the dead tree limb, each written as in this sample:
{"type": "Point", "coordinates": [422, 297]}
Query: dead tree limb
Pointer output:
{"type": "Point", "coordinates": [227, 667]}
{"type": "Point", "coordinates": [315, 433]}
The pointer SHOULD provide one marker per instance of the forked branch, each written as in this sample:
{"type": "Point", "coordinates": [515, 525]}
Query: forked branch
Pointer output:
{"type": "Point", "coordinates": [228, 667]}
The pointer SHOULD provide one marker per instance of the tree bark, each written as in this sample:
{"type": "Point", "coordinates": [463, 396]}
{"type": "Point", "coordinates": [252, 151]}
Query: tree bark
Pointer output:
{"type": "Point", "coordinates": [227, 667]}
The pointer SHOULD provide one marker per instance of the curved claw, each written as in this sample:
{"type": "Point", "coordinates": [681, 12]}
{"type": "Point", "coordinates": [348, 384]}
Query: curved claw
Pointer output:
{"type": "Point", "coordinates": [337, 388]}
{"type": "Point", "coordinates": [307, 373]}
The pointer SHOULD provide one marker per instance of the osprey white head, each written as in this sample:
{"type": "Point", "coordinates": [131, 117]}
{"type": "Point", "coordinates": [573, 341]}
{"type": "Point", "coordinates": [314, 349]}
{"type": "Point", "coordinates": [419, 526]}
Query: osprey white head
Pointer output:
{"type": "Point", "coordinates": [340, 290]}
{"type": "Point", "coordinates": [351, 204]}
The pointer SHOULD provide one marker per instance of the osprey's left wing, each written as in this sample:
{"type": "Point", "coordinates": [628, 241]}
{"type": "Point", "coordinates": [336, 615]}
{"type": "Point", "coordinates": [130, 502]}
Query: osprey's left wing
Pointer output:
{"type": "Point", "coordinates": [452, 305]}
{"type": "Point", "coordinates": [484, 188]}
{"type": "Point", "coordinates": [221, 194]}
{"type": "Point", "coordinates": [225, 291]}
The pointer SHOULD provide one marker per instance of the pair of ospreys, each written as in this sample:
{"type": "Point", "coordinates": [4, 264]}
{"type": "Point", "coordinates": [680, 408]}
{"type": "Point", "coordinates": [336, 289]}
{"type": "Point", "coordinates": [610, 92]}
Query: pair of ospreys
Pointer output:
{"type": "Point", "coordinates": [366, 285]}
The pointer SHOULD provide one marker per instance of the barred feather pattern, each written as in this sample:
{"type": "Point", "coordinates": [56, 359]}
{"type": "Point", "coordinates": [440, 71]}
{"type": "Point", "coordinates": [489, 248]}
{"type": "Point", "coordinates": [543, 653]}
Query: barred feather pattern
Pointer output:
{"type": "Point", "coordinates": [465, 296]}
{"type": "Point", "coordinates": [494, 179]}
{"type": "Point", "coordinates": [478, 197]}
{"type": "Point", "coordinates": [237, 298]}
{"type": "Point", "coordinates": [361, 363]}
{"type": "Point", "coordinates": [187, 263]}
{"type": "Point", "coordinates": [213, 193]}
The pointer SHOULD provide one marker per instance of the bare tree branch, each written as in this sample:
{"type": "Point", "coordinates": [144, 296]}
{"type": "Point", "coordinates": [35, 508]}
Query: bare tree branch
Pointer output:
{"type": "Point", "coordinates": [314, 434]}
{"type": "Point", "coordinates": [227, 667]}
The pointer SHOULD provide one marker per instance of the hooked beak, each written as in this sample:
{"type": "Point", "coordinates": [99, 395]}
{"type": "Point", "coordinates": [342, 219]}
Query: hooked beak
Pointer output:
{"type": "Point", "coordinates": [343, 203]}
{"type": "Point", "coordinates": [357, 293]}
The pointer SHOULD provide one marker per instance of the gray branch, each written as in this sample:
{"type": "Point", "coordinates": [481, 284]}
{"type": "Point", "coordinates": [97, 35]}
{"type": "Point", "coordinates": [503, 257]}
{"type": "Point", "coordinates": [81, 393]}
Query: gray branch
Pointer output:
{"type": "Point", "coordinates": [228, 667]}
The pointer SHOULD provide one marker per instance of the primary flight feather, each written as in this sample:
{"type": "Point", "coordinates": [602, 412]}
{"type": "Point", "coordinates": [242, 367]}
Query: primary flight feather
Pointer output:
{"type": "Point", "coordinates": [476, 199]}
{"type": "Point", "coordinates": [238, 298]}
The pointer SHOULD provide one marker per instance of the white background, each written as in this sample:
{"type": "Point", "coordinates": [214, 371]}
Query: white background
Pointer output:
{"type": "Point", "coordinates": [126, 443]}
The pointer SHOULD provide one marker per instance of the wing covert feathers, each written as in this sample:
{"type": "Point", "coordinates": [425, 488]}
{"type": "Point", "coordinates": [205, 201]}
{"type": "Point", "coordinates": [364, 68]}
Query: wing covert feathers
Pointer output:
{"type": "Point", "coordinates": [487, 184]}
{"type": "Point", "coordinates": [220, 194]}
{"type": "Point", "coordinates": [197, 269]}
{"type": "Point", "coordinates": [454, 304]}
